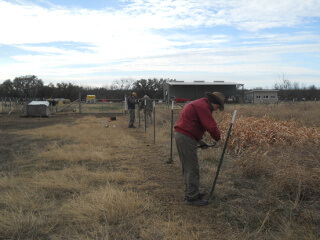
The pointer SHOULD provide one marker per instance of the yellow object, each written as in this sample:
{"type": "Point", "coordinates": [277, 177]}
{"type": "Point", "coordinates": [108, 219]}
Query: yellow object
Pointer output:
{"type": "Point", "coordinates": [91, 96]}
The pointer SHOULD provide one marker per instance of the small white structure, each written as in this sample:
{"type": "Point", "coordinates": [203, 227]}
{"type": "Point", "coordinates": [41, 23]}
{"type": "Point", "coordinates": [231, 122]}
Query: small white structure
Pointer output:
{"type": "Point", "coordinates": [91, 99]}
{"type": "Point", "coordinates": [38, 109]}
{"type": "Point", "coordinates": [262, 96]}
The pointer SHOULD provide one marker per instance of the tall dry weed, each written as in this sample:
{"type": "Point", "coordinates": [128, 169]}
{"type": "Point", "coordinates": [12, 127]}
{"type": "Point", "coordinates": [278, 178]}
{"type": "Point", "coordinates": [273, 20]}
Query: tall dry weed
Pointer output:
{"type": "Point", "coordinates": [303, 113]}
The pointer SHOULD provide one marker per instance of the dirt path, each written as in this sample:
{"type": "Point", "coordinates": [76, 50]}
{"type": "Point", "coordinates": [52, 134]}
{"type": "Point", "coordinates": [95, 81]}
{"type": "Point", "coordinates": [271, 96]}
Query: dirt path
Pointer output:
{"type": "Point", "coordinates": [168, 189]}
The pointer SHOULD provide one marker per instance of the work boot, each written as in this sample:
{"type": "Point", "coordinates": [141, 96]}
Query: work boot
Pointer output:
{"type": "Point", "coordinates": [200, 195]}
{"type": "Point", "coordinates": [197, 202]}
{"type": "Point", "coordinates": [170, 161]}
{"type": "Point", "coordinates": [131, 126]}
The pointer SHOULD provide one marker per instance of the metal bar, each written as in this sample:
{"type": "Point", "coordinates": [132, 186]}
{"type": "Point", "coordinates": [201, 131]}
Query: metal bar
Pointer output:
{"type": "Point", "coordinates": [139, 115]}
{"type": "Point", "coordinates": [154, 122]}
{"type": "Point", "coordinates": [69, 105]}
{"type": "Point", "coordinates": [171, 135]}
{"type": "Point", "coordinates": [79, 102]}
{"type": "Point", "coordinates": [125, 104]}
{"type": "Point", "coordinates": [222, 155]}
{"type": "Point", "coordinates": [145, 115]}
{"type": "Point", "coordinates": [234, 116]}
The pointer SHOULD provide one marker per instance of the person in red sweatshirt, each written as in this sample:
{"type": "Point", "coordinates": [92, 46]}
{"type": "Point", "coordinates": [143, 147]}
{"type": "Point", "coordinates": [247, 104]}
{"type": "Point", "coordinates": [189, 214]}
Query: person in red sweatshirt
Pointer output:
{"type": "Point", "coordinates": [194, 120]}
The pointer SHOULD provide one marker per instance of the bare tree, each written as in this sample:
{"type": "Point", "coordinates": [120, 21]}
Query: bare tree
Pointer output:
{"type": "Point", "coordinates": [283, 84]}
{"type": "Point", "coordinates": [122, 84]}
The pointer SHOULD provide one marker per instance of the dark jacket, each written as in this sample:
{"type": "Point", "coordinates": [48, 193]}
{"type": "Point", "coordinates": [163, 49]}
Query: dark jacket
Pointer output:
{"type": "Point", "coordinates": [146, 103]}
{"type": "Point", "coordinates": [131, 102]}
{"type": "Point", "coordinates": [196, 118]}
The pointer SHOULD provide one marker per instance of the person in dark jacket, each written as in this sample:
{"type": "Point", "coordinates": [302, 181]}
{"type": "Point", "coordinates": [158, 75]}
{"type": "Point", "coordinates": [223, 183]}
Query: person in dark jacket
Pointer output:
{"type": "Point", "coordinates": [146, 105]}
{"type": "Point", "coordinates": [131, 101]}
{"type": "Point", "coordinates": [194, 120]}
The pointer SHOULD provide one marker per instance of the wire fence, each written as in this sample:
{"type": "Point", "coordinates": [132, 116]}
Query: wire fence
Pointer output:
{"type": "Point", "coordinates": [8, 106]}
{"type": "Point", "coordinates": [101, 106]}
{"type": "Point", "coordinates": [109, 107]}
{"type": "Point", "coordinates": [158, 124]}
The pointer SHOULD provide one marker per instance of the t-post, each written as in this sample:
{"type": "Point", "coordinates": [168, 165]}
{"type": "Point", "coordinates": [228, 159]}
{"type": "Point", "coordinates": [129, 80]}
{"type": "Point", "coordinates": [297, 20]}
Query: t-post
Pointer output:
{"type": "Point", "coordinates": [171, 135]}
{"type": "Point", "coordinates": [154, 121]}
{"type": "Point", "coordinates": [145, 115]}
{"type": "Point", "coordinates": [139, 115]}
{"type": "Point", "coordinates": [79, 102]}
{"type": "Point", "coordinates": [222, 155]}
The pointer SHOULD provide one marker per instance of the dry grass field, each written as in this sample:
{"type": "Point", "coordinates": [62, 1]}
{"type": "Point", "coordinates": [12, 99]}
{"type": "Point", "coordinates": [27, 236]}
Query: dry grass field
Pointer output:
{"type": "Point", "coordinates": [71, 177]}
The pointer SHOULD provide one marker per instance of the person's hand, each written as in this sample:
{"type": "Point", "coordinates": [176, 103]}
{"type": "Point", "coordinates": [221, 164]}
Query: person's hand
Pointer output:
{"type": "Point", "coordinates": [217, 144]}
{"type": "Point", "coordinates": [203, 144]}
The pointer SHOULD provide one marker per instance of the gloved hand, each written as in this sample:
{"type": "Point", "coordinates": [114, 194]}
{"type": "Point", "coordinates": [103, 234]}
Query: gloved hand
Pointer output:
{"type": "Point", "coordinates": [217, 144]}
{"type": "Point", "coordinates": [203, 144]}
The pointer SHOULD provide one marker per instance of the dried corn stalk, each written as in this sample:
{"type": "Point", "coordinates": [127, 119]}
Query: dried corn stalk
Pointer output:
{"type": "Point", "coordinates": [252, 132]}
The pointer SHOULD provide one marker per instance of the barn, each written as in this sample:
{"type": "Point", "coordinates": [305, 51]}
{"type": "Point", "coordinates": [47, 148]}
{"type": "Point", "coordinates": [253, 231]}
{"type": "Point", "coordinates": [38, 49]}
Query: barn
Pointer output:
{"type": "Point", "coordinates": [196, 89]}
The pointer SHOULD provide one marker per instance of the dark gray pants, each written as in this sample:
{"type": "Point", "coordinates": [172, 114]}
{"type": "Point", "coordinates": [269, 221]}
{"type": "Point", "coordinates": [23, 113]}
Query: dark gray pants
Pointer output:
{"type": "Point", "coordinates": [187, 150]}
{"type": "Point", "coordinates": [132, 113]}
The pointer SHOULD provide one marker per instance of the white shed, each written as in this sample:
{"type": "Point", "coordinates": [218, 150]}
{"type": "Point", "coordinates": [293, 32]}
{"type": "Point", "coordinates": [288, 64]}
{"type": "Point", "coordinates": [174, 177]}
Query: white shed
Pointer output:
{"type": "Point", "coordinates": [38, 109]}
{"type": "Point", "coordinates": [262, 96]}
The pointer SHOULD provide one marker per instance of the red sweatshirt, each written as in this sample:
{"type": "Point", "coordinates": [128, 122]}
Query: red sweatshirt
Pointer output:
{"type": "Point", "coordinates": [196, 118]}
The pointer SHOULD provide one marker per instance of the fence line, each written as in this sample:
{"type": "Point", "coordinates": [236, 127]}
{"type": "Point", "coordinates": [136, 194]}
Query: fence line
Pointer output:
{"type": "Point", "coordinates": [102, 106]}
{"type": "Point", "coordinates": [9, 106]}
{"type": "Point", "coordinates": [166, 112]}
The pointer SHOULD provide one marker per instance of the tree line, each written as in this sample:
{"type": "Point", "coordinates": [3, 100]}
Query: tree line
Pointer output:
{"type": "Point", "coordinates": [290, 91]}
{"type": "Point", "coordinates": [31, 87]}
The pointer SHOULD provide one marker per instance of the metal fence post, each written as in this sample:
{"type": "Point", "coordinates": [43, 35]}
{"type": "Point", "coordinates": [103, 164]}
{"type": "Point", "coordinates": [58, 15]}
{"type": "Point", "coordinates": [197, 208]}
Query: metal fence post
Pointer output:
{"type": "Point", "coordinates": [222, 155]}
{"type": "Point", "coordinates": [79, 102]}
{"type": "Point", "coordinates": [145, 115]}
{"type": "Point", "coordinates": [139, 115]}
{"type": "Point", "coordinates": [125, 104]}
{"type": "Point", "coordinates": [171, 135]}
{"type": "Point", "coordinates": [154, 121]}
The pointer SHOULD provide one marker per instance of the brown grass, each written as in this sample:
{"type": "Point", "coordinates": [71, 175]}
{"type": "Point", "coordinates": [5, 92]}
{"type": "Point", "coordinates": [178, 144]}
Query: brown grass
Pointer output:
{"type": "Point", "coordinates": [83, 185]}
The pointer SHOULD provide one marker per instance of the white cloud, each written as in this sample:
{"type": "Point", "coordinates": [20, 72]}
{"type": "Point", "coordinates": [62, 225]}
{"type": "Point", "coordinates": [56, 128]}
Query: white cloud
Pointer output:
{"type": "Point", "coordinates": [33, 24]}
{"type": "Point", "coordinates": [244, 14]}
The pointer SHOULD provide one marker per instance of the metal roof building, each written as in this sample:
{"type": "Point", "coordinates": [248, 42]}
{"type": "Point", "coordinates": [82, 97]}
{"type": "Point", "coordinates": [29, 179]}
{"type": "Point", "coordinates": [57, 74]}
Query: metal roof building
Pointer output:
{"type": "Point", "coordinates": [196, 89]}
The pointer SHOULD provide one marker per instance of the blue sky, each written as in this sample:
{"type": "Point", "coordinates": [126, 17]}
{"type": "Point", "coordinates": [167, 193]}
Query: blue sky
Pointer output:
{"type": "Point", "coordinates": [94, 43]}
